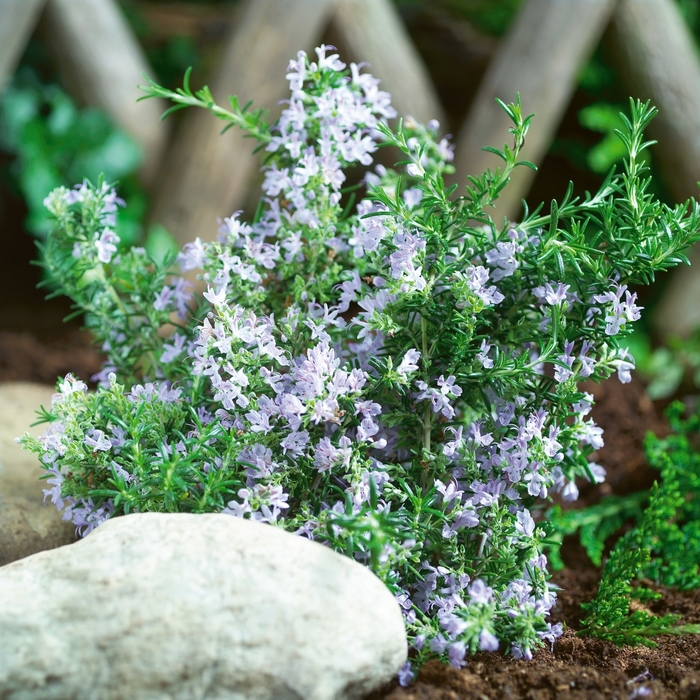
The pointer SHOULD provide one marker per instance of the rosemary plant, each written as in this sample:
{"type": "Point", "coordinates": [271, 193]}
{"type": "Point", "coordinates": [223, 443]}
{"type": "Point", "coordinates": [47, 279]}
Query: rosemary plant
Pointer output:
{"type": "Point", "coordinates": [395, 377]}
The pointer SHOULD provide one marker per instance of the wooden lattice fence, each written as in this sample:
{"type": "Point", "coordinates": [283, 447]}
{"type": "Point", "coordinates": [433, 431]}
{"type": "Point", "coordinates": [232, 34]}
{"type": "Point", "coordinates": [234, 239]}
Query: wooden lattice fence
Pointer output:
{"type": "Point", "coordinates": [194, 175]}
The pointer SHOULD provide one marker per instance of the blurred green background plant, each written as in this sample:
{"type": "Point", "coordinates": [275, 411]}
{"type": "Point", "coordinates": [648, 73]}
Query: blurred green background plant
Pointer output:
{"type": "Point", "coordinates": [53, 142]}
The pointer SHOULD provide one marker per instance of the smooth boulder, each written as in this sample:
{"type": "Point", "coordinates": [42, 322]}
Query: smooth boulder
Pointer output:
{"type": "Point", "coordinates": [177, 606]}
{"type": "Point", "coordinates": [27, 525]}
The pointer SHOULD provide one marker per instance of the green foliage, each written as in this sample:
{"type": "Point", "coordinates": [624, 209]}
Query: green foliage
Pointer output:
{"type": "Point", "coordinates": [253, 122]}
{"type": "Point", "coordinates": [674, 539]}
{"type": "Point", "coordinates": [664, 548]}
{"type": "Point", "coordinates": [604, 118]}
{"type": "Point", "coordinates": [594, 525]}
{"type": "Point", "coordinates": [56, 143]}
{"type": "Point", "coordinates": [117, 303]}
{"type": "Point", "coordinates": [157, 477]}
{"type": "Point", "coordinates": [476, 386]}
{"type": "Point", "coordinates": [613, 614]}
{"type": "Point", "coordinates": [668, 368]}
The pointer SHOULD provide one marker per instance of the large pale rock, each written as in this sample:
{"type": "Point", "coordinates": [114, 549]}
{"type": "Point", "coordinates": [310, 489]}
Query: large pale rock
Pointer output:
{"type": "Point", "coordinates": [26, 524]}
{"type": "Point", "coordinates": [177, 606]}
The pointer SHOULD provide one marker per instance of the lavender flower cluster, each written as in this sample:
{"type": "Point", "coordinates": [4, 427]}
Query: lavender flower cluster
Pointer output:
{"type": "Point", "coordinates": [391, 379]}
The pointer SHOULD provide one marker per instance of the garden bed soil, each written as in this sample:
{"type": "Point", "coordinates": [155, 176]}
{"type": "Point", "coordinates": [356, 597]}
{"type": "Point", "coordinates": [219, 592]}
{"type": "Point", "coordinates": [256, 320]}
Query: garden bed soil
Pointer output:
{"type": "Point", "coordinates": [578, 667]}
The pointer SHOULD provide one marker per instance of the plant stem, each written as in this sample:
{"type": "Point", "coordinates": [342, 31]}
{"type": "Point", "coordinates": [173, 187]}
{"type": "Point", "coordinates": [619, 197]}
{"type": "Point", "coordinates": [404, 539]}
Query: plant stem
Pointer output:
{"type": "Point", "coordinates": [427, 417]}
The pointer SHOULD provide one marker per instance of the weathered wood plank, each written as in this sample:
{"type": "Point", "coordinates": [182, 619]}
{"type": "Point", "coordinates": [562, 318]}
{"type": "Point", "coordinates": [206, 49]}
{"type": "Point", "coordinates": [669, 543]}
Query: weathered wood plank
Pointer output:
{"type": "Point", "coordinates": [206, 175]}
{"type": "Point", "coordinates": [17, 21]}
{"type": "Point", "coordinates": [94, 43]}
{"type": "Point", "coordinates": [656, 56]}
{"type": "Point", "coordinates": [372, 32]}
{"type": "Point", "coordinates": [540, 58]}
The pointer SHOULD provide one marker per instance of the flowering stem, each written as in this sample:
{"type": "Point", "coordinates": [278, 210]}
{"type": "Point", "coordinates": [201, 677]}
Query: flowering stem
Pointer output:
{"type": "Point", "coordinates": [113, 294]}
{"type": "Point", "coordinates": [426, 415]}
{"type": "Point", "coordinates": [252, 122]}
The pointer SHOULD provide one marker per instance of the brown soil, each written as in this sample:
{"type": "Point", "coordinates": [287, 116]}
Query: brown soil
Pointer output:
{"type": "Point", "coordinates": [35, 344]}
{"type": "Point", "coordinates": [578, 667]}
{"type": "Point", "coordinates": [26, 357]}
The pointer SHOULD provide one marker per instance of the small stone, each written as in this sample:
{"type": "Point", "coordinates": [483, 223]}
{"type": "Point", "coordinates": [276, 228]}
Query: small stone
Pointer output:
{"type": "Point", "coordinates": [180, 606]}
{"type": "Point", "coordinates": [27, 525]}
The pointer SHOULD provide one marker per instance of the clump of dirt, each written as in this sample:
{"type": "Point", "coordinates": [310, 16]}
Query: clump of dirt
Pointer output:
{"type": "Point", "coordinates": [577, 669]}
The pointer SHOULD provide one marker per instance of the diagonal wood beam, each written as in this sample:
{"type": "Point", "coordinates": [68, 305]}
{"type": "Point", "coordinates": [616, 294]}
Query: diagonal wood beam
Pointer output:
{"type": "Point", "coordinates": [95, 46]}
{"type": "Point", "coordinates": [17, 21]}
{"type": "Point", "coordinates": [540, 58]}
{"type": "Point", "coordinates": [205, 175]}
{"type": "Point", "coordinates": [657, 58]}
{"type": "Point", "coordinates": [372, 31]}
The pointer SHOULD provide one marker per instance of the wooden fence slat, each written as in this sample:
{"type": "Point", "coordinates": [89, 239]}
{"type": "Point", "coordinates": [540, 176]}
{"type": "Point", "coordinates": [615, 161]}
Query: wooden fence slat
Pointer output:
{"type": "Point", "coordinates": [95, 44]}
{"type": "Point", "coordinates": [540, 58]}
{"type": "Point", "coordinates": [657, 59]}
{"type": "Point", "coordinates": [205, 174]}
{"type": "Point", "coordinates": [17, 21]}
{"type": "Point", "coordinates": [372, 31]}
